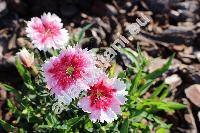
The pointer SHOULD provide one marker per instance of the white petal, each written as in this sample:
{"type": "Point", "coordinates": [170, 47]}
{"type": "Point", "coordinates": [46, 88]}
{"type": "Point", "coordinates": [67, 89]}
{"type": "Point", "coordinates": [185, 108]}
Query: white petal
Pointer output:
{"type": "Point", "coordinates": [91, 75]}
{"type": "Point", "coordinates": [84, 103]}
{"type": "Point", "coordinates": [75, 89]}
{"type": "Point", "coordinates": [121, 99]}
{"type": "Point", "coordinates": [119, 85]}
{"type": "Point", "coordinates": [115, 106]}
{"type": "Point", "coordinates": [107, 116]}
{"type": "Point", "coordinates": [95, 115]}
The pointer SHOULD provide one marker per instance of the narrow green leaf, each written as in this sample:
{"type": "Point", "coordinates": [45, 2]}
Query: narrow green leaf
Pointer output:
{"type": "Point", "coordinates": [29, 86]}
{"type": "Point", "coordinates": [8, 88]}
{"type": "Point", "coordinates": [158, 90]}
{"type": "Point", "coordinates": [162, 130]}
{"type": "Point", "coordinates": [165, 93]}
{"type": "Point", "coordinates": [159, 121]}
{"type": "Point", "coordinates": [60, 127]}
{"type": "Point", "coordinates": [143, 89]}
{"type": "Point", "coordinates": [51, 119]}
{"type": "Point", "coordinates": [125, 126]}
{"type": "Point", "coordinates": [112, 70]}
{"type": "Point", "coordinates": [139, 125]}
{"type": "Point", "coordinates": [11, 106]}
{"type": "Point", "coordinates": [81, 34]}
{"type": "Point", "coordinates": [71, 122]}
{"type": "Point", "coordinates": [45, 126]}
{"type": "Point", "coordinates": [142, 59]}
{"type": "Point", "coordinates": [23, 72]}
{"type": "Point", "coordinates": [88, 126]}
{"type": "Point", "coordinates": [131, 56]}
{"type": "Point", "coordinates": [7, 126]}
{"type": "Point", "coordinates": [122, 75]}
{"type": "Point", "coordinates": [136, 82]}
{"type": "Point", "coordinates": [21, 130]}
{"type": "Point", "coordinates": [174, 105]}
{"type": "Point", "coordinates": [160, 71]}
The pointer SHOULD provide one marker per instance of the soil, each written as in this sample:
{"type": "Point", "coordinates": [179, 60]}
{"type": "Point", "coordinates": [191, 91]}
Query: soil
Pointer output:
{"type": "Point", "coordinates": [174, 27]}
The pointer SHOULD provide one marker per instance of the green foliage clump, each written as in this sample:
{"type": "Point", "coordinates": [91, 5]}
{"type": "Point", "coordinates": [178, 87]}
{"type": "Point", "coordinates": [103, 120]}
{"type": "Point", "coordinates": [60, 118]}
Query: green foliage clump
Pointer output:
{"type": "Point", "coordinates": [32, 107]}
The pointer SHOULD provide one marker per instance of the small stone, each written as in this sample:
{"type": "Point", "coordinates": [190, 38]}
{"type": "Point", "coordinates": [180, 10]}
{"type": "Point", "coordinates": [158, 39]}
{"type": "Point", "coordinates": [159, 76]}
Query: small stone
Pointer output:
{"type": "Point", "coordinates": [178, 47]}
{"type": "Point", "coordinates": [122, 11]}
{"type": "Point", "coordinates": [22, 42]}
{"type": "Point", "coordinates": [3, 6]}
{"type": "Point", "coordinates": [173, 80]}
{"type": "Point", "coordinates": [191, 73]}
{"type": "Point", "coordinates": [188, 50]}
{"type": "Point", "coordinates": [128, 4]}
{"type": "Point", "coordinates": [193, 94]}
{"type": "Point", "coordinates": [186, 60]}
{"type": "Point", "coordinates": [12, 42]}
{"type": "Point", "coordinates": [2, 94]}
{"type": "Point", "coordinates": [197, 54]}
{"type": "Point", "coordinates": [112, 10]}
{"type": "Point", "coordinates": [156, 64]}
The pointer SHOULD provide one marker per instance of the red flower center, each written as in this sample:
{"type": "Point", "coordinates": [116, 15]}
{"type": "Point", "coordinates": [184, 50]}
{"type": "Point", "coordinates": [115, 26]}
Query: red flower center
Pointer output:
{"type": "Point", "coordinates": [67, 70]}
{"type": "Point", "coordinates": [101, 96]}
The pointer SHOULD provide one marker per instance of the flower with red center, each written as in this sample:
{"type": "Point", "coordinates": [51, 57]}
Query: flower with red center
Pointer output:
{"type": "Point", "coordinates": [47, 32]}
{"type": "Point", "coordinates": [103, 99]}
{"type": "Point", "coordinates": [70, 73]}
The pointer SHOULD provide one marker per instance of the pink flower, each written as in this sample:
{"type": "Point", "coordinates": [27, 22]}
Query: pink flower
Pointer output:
{"type": "Point", "coordinates": [47, 32]}
{"type": "Point", "coordinates": [70, 73]}
{"type": "Point", "coordinates": [103, 99]}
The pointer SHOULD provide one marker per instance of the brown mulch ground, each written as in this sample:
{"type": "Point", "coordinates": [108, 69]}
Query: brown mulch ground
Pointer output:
{"type": "Point", "coordinates": [174, 27]}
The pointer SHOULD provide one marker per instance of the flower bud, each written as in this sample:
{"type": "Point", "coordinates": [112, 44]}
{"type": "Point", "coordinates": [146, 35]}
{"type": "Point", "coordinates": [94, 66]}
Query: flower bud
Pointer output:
{"type": "Point", "coordinates": [26, 58]}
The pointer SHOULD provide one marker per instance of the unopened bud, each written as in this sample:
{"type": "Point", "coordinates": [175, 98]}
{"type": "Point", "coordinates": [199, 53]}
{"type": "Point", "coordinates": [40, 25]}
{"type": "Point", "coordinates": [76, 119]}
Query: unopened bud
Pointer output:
{"type": "Point", "coordinates": [26, 58]}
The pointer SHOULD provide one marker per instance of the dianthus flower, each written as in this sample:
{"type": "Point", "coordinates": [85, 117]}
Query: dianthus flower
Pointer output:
{"type": "Point", "coordinates": [47, 32]}
{"type": "Point", "coordinates": [103, 99]}
{"type": "Point", "coordinates": [70, 73]}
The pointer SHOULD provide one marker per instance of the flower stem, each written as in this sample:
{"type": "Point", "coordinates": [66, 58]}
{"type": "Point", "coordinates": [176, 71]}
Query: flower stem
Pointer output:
{"type": "Point", "coordinates": [34, 70]}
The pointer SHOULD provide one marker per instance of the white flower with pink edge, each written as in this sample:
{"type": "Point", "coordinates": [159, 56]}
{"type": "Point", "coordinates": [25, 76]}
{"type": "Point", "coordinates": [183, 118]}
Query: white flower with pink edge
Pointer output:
{"type": "Point", "coordinates": [104, 99]}
{"type": "Point", "coordinates": [47, 32]}
{"type": "Point", "coordinates": [70, 73]}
